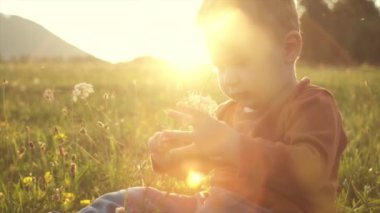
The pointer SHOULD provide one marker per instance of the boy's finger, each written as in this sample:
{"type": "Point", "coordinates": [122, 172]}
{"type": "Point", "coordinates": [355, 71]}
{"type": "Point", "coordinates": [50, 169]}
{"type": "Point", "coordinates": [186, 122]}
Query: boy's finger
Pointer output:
{"type": "Point", "coordinates": [184, 152]}
{"type": "Point", "coordinates": [190, 110]}
{"type": "Point", "coordinates": [181, 116]}
{"type": "Point", "coordinates": [178, 135]}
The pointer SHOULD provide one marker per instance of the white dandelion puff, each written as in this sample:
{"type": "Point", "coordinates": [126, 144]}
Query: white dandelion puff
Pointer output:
{"type": "Point", "coordinates": [48, 95]}
{"type": "Point", "coordinates": [82, 91]}
{"type": "Point", "coordinates": [36, 80]}
{"type": "Point", "coordinates": [202, 103]}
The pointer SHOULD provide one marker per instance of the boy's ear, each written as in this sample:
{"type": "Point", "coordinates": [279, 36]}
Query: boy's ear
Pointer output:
{"type": "Point", "coordinates": [292, 46]}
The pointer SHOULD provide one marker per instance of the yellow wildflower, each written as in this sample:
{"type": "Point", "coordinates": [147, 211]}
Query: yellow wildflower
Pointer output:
{"type": "Point", "coordinates": [48, 177]}
{"type": "Point", "coordinates": [85, 202]}
{"type": "Point", "coordinates": [68, 199]}
{"type": "Point", "coordinates": [69, 196]}
{"type": "Point", "coordinates": [59, 136]}
{"type": "Point", "coordinates": [27, 181]}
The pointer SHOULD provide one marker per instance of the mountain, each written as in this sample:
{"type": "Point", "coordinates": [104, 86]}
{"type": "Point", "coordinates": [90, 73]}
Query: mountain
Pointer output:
{"type": "Point", "coordinates": [22, 38]}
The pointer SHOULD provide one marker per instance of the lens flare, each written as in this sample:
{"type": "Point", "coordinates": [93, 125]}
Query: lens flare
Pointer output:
{"type": "Point", "coordinates": [194, 179]}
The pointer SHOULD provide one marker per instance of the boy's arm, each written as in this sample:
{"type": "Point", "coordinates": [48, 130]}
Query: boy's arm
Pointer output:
{"type": "Point", "coordinates": [312, 148]}
{"type": "Point", "coordinates": [199, 163]}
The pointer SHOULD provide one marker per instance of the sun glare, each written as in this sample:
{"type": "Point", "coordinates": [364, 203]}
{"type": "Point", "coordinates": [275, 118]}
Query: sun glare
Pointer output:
{"type": "Point", "coordinates": [194, 179]}
{"type": "Point", "coordinates": [119, 31]}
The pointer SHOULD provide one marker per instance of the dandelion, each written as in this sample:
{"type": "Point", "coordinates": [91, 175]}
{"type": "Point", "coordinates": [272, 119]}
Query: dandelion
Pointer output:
{"type": "Point", "coordinates": [48, 95]}
{"type": "Point", "coordinates": [85, 202]}
{"type": "Point", "coordinates": [69, 196]}
{"type": "Point", "coordinates": [1, 195]}
{"type": "Point", "coordinates": [65, 111]}
{"type": "Point", "coordinates": [36, 80]}
{"type": "Point", "coordinates": [42, 146]}
{"type": "Point", "coordinates": [199, 102]}
{"type": "Point", "coordinates": [48, 177]}
{"type": "Point", "coordinates": [106, 96]}
{"type": "Point", "coordinates": [68, 199]}
{"type": "Point", "coordinates": [27, 181]}
{"type": "Point", "coordinates": [100, 124]}
{"type": "Point", "coordinates": [59, 137]}
{"type": "Point", "coordinates": [82, 91]}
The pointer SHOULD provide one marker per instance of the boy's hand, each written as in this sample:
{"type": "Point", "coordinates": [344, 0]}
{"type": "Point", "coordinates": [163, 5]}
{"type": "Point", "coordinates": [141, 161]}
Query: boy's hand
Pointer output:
{"type": "Point", "coordinates": [209, 137]}
{"type": "Point", "coordinates": [159, 143]}
{"type": "Point", "coordinates": [159, 146]}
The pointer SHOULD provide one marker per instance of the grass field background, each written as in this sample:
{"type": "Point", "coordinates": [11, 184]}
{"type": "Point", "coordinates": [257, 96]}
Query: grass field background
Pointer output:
{"type": "Point", "coordinates": [57, 154]}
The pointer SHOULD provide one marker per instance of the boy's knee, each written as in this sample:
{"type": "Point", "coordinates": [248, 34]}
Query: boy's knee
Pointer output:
{"type": "Point", "coordinates": [106, 203]}
{"type": "Point", "coordinates": [139, 195]}
{"type": "Point", "coordinates": [116, 197]}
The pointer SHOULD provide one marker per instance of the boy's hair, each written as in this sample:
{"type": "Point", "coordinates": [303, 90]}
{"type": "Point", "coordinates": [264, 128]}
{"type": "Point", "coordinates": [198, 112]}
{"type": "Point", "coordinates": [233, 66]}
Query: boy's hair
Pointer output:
{"type": "Point", "coordinates": [277, 16]}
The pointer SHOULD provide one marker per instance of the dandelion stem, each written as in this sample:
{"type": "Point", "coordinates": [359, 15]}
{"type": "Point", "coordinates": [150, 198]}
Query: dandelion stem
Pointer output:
{"type": "Point", "coordinates": [4, 105]}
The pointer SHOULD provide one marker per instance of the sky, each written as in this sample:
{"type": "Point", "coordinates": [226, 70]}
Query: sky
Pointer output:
{"type": "Point", "coordinates": [120, 30]}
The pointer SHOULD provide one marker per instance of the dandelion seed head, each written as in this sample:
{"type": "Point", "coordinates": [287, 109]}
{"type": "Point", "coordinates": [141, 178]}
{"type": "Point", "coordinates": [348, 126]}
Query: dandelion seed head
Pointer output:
{"type": "Point", "coordinates": [202, 103]}
{"type": "Point", "coordinates": [48, 95]}
{"type": "Point", "coordinates": [100, 124]}
{"type": "Point", "coordinates": [82, 91]}
{"type": "Point", "coordinates": [36, 80]}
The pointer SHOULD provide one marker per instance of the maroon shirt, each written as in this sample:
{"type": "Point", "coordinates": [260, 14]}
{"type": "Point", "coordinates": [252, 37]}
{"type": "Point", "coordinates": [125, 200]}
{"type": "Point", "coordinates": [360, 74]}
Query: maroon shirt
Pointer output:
{"type": "Point", "coordinates": [289, 151]}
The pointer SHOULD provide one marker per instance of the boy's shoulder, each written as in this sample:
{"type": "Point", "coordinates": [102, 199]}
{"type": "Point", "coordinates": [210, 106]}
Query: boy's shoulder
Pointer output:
{"type": "Point", "coordinates": [304, 95]}
{"type": "Point", "coordinates": [307, 92]}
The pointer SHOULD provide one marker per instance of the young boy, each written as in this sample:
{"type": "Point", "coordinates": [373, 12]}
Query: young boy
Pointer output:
{"type": "Point", "coordinates": [274, 146]}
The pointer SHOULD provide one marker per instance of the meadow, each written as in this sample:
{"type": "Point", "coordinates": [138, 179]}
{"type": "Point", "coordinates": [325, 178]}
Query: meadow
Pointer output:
{"type": "Point", "coordinates": [60, 154]}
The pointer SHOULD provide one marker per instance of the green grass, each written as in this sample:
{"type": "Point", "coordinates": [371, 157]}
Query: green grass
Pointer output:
{"type": "Point", "coordinates": [98, 145]}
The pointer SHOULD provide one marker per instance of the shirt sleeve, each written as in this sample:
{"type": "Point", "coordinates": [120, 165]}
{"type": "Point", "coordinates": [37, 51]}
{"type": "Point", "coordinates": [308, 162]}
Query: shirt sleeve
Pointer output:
{"type": "Point", "coordinates": [306, 156]}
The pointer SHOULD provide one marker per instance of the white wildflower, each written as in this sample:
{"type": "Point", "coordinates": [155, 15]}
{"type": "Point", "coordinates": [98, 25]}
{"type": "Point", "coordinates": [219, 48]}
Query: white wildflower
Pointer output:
{"type": "Point", "coordinates": [82, 91]}
{"type": "Point", "coordinates": [36, 80]}
{"type": "Point", "coordinates": [48, 95]}
{"type": "Point", "coordinates": [202, 103]}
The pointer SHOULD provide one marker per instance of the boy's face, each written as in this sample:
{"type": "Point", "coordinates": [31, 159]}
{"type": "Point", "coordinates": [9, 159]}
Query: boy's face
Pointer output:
{"type": "Point", "coordinates": [248, 61]}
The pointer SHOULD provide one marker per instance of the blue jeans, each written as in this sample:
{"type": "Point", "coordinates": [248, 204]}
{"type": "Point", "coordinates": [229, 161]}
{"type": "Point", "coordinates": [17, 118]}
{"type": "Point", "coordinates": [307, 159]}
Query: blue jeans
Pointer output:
{"type": "Point", "coordinates": [148, 199]}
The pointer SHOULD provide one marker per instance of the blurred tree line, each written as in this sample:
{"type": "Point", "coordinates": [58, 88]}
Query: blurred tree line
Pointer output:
{"type": "Point", "coordinates": [340, 32]}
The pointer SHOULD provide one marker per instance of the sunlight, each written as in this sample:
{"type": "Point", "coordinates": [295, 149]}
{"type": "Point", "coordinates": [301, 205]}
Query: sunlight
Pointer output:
{"type": "Point", "coordinates": [119, 31]}
{"type": "Point", "coordinates": [194, 179]}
